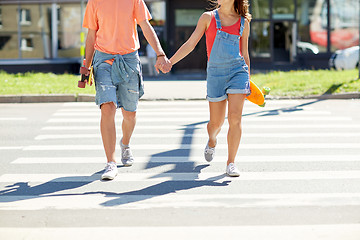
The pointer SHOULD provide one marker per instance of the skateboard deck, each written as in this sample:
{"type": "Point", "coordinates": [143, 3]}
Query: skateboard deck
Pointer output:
{"type": "Point", "coordinates": [257, 96]}
{"type": "Point", "coordinates": [89, 80]}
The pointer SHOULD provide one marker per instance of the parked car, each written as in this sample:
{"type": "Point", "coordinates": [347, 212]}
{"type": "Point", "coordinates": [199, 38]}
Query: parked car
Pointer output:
{"type": "Point", "coordinates": [345, 59]}
{"type": "Point", "coordinates": [305, 47]}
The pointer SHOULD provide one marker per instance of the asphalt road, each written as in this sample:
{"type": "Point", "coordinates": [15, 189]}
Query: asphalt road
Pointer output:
{"type": "Point", "coordinates": [299, 163]}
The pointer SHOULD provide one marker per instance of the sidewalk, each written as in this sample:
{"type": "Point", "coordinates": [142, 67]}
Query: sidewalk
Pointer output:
{"type": "Point", "coordinates": [188, 86]}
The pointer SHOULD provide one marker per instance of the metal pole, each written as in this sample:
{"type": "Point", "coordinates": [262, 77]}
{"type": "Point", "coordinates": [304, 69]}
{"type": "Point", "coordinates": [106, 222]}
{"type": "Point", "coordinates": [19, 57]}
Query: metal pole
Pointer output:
{"type": "Point", "coordinates": [19, 31]}
{"type": "Point", "coordinates": [82, 34]}
{"type": "Point", "coordinates": [54, 30]}
{"type": "Point", "coordinates": [359, 38]}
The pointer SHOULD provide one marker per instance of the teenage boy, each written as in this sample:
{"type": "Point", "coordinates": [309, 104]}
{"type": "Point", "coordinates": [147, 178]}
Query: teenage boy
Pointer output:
{"type": "Point", "coordinates": [111, 46]}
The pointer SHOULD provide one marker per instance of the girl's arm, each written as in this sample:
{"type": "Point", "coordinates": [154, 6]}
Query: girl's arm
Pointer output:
{"type": "Point", "coordinates": [245, 43]}
{"type": "Point", "coordinates": [189, 45]}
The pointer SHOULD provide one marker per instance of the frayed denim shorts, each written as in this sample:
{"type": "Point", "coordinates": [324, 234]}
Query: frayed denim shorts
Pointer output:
{"type": "Point", "coordinates": [122, 94]}
{"type": "Point", "coordinates": [224, 80]}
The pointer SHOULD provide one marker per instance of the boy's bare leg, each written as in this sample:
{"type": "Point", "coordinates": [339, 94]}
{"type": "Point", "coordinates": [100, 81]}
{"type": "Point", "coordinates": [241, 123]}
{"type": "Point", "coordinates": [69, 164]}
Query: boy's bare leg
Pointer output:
{"type": "Point", "coordinates": [128, 125]}
{"type": "Point", "coordinates": [108, 130]}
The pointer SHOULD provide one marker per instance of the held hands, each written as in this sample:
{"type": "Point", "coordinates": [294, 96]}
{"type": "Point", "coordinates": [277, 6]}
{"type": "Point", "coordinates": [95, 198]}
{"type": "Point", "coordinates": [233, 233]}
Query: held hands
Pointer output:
{"type": "Point", "coordinates": [163, 64]}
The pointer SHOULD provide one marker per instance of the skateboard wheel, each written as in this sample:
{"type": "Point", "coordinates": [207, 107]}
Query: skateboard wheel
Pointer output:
{"type": "Point", "coordinates": [81, 84]}
{"type": "Point", "coordinates": [262, 105]}
{"type": "Point", "coordinates": [266, 90]}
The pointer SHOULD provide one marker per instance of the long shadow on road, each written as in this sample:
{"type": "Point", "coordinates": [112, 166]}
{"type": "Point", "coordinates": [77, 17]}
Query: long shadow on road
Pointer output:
{"type": "Point", "coordinates": [49, 189]}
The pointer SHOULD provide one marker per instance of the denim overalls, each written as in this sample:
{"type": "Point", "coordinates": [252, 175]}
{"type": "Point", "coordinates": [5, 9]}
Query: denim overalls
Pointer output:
{"type": "Point", "coordinates": [227, 72]}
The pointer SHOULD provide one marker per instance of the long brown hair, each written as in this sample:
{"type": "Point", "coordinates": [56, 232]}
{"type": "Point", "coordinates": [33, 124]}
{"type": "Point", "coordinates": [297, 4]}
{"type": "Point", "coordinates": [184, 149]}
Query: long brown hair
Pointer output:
{"type": "Point", "coordinates": [241, 7]}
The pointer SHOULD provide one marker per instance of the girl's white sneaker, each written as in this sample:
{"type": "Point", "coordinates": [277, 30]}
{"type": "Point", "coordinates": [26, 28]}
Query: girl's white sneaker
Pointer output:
{"type": "Point", "coordinates": [232, 171]}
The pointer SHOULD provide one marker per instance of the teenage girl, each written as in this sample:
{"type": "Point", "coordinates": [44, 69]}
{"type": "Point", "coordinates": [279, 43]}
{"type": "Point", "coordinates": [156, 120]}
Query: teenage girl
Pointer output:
{"type": "Point", "coordinates": [228, 76]}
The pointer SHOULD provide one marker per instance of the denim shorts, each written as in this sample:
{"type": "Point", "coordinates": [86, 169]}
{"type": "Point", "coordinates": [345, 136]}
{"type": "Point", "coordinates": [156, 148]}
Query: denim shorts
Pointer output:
{"type": "Point", "coordinates": [224, 80]}
{"type": "Point", "coordinates": [122, 94]}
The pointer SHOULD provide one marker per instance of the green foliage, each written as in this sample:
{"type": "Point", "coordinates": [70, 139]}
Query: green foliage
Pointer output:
{"type": "Point", "coordinates": [290, 84]}
{"type": "Point", "coordinates": [311, 82]}
{"type": "Point", "coordinates": [41, 83]}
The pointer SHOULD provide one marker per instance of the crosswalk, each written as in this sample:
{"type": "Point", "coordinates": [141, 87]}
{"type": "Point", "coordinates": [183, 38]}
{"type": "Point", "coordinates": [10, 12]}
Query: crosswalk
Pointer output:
{"type": "Point", "coordinates": [299, 163]}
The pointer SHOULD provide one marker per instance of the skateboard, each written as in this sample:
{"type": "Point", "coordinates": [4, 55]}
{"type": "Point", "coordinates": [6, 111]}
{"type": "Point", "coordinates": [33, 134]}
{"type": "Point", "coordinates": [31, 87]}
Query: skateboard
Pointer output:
{"type": "Point", "coordinates": [257, 96]}
{"type": "Point", "coordinates": [89, 80]}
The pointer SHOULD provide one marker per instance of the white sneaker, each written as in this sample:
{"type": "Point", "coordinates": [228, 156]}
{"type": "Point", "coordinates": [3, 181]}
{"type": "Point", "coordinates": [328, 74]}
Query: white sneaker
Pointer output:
{"type": "Point", "coordinates": [126, 155]}
{"type": "Point", "coordinates": [232, 171]}
{"type": "Point", "coordinates": [209, 153]}
{"type": "Point", "coordinates": [110, 171]}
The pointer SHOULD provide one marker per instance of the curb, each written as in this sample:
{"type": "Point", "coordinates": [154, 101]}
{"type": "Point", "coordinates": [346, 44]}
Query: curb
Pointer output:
{"type": "Point", "coordinates": [52, 98]}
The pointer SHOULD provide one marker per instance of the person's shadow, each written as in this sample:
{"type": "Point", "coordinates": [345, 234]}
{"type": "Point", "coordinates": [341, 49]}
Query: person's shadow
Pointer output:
{"type": "Point", "coordinates": [22, 191]}
{"type": "Point", "coordinates": [173, 185]}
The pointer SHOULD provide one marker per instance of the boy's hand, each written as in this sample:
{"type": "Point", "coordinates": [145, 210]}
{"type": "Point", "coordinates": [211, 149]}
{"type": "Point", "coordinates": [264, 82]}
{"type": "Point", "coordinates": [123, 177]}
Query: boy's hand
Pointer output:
{"type": "Point", "coordinates": [163, 64]}
{"type": "Point", "coordinates": [84, 71]}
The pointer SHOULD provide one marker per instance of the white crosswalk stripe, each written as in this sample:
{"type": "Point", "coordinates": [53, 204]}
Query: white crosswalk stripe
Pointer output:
{"type": "Point", "coordinates": [299, 167]}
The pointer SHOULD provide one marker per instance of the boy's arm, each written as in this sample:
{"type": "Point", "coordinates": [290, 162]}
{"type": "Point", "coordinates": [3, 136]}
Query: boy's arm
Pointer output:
{"type": "Point", "coordinates": [153, 40]}
{"type": "Point", "coordinates": [190, 44]}
{"type": "Point", "coordinates": [89, 47]}
{"type": "Point", "coordinates": [245, 44]}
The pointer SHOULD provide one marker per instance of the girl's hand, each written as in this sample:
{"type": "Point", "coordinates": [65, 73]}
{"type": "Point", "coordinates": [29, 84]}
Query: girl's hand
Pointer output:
{"type": "Point", "coordinates": [163, 64]}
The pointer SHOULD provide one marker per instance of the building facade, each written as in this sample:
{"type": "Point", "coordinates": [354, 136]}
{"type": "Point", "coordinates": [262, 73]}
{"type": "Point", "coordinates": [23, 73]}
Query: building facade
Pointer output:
{"type": "Point", "coordinates": [46, 35]}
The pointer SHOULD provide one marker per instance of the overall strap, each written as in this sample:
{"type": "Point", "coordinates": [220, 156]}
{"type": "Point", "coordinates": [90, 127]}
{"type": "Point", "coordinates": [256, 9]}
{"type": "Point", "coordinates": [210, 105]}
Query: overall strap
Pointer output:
{"type": "Point", "coordinates": [242, 25]}
{"type": "Point", "coordinates": [217, 18]}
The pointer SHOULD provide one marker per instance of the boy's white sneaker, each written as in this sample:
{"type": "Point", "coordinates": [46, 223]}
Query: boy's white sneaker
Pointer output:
{"type": "Point", "coordinates": [209, 153]}
{"type": "Point", "coordinates": [110, 171]}
{"type": "Point", "coordinates": [126, 155]}
{"type": "Point", "coordinates": [232, 171]}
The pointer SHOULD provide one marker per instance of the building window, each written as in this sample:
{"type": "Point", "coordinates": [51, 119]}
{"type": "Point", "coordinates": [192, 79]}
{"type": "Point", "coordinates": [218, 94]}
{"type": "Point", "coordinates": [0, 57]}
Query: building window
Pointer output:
{"type": "Point", "coordinates": [25, 18]}
{"type": "Point", "coordinates": [344, 24]}
{"type": "Point", "coordinates": [312, 29]}
{"type": "Point", "coordinates": [27, 44]}
{"type": "Point", "coordinates": [260, 9]}
{"type": "Point", "coordinates": [283, 9]}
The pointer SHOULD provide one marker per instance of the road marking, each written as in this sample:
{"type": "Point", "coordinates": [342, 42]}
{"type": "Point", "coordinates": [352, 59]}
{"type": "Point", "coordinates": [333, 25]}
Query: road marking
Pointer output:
{"type": "Point", "coordinates": [295, 103]}
{"type": "Point", "coordinates": [99, 200]}
{"type": "Point", "coordinates": [13, 118]}
{"type": "Point", "coordinates": [192, 176]}
{"type": "Point", "coordinates": [202, 119]}
{"type": "Point", "coordinates": [11, 147]}
{"type": "Point", "coordinates": [201, 135]}
{"type": "Point", "coordinates": [203, 126]}
{"type": "Point", "coordinates": [177, 160]}
{"type": "Point", "coordinates": [271, 232]}
{"type": "Point", "coordinates": [176, 112]}
{"type": "Point", "coordinates": [165, 147]}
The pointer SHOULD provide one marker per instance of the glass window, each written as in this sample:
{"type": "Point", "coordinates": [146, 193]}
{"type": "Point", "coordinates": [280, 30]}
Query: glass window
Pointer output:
{"type": "Point", "coordinates": [158, 13]}
{"type": "Point", "coordinates": [283, 9]}
{"type": "Point", "coordinates": [312, 29]}
{"type": "Point", "coordinates": [25, 18]}
{"type": "Point", "coordinates": [260, 39]}
{"type": "Point", "coordinates": [344, 24]}
{"type": "Point", "coordinates": [9, 46]}
{"type": "Point", "coordinates": [260, 9]}
{"type": "Point", "coordinates": [27, 44]}
{"type": "Point", "coordinates": [69, 29]}
{"type": "Point", "coordinates": [35, 35]}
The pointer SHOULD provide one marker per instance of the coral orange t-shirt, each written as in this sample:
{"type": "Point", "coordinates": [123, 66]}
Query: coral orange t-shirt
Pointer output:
{"type": "Point", "coordinates": [116, 24]}
{"type": "Point", "coordinates": [211, 33]}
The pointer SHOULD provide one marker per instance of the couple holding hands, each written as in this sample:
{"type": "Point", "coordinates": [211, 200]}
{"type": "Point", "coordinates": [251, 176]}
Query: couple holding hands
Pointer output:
{"type": "Point", "coordinates": [111, 47]}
